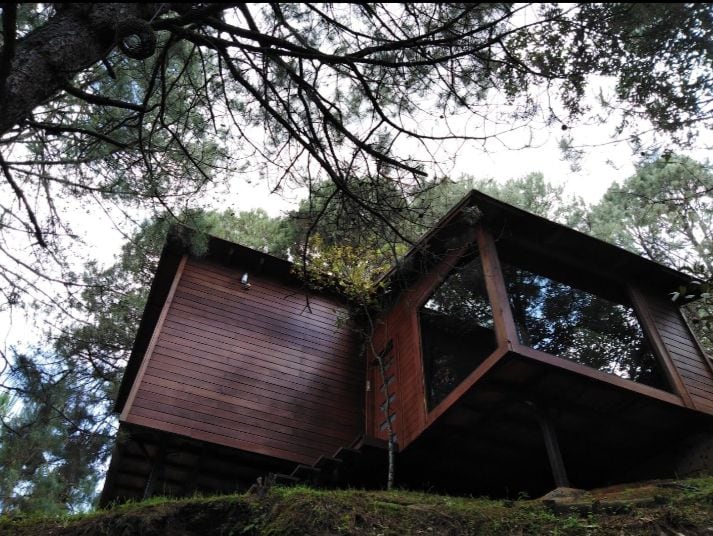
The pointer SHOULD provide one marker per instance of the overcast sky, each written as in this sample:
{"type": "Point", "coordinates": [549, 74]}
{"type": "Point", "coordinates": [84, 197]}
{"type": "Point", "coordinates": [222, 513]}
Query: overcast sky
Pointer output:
{"type": "Point", "coordinates": [505, 156]}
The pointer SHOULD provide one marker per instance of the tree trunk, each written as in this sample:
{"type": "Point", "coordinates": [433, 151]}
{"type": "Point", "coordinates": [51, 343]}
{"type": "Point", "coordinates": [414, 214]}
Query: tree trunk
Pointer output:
{"type": "Point", "coordinates": [73, 39]}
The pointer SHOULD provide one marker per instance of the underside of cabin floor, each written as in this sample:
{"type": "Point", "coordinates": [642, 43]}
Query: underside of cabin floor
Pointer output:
{"type": "Point", "coordinates": [489, 443]}
{"type": "Point", "coordinates": [148, 462]}
{"type": "Point", "coordinates": [491, 440]}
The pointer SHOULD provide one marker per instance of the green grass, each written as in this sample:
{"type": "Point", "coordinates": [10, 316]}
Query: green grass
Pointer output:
{"type": "Point", "coordinates": [686, 508]}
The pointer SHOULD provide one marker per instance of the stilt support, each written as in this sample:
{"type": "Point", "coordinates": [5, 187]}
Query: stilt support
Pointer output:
{"type": "Point", "coordinates": [559, 472]}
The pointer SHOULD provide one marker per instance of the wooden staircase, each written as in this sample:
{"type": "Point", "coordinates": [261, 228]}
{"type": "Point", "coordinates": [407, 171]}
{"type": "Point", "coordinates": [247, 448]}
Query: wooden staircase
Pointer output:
{"type": "Point", "coordinates": [363, 464]}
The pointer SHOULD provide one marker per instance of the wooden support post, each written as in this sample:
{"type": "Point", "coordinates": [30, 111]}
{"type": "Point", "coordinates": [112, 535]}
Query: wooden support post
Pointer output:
{"type": "Point", "coordinates": [553, 449]}
{"type": "Point", "coordinates": [156, 472]}
{"type": "Point", "coordinates": [505, 329]}
{"type": "Point", "coordinates": [107, 495]}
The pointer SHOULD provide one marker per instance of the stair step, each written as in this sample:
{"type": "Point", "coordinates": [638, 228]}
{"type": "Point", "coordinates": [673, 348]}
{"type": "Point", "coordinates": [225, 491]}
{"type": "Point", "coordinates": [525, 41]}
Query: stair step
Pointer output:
{"type": "Point", "coordinates": [347, 454]}
{"type": "Point", "coordinates": [305, 471]}
{"type": "Point", "coordinates": [371, 443]}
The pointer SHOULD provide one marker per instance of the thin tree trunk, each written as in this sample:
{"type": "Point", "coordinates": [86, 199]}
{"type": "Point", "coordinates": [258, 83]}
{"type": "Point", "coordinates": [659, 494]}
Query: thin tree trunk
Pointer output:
{"type": "Point", "coordinates": [391, 442]}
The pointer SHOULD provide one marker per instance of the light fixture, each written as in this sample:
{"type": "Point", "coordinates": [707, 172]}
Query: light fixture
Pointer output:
{"type": "Point", "coordinates": [244, 281]}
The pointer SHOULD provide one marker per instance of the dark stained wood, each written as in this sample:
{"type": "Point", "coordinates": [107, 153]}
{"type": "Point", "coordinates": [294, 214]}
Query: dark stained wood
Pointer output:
{"type": "Point", "coordinates": [221, 435]}
{"type": "Point", "coordinates": [156, 473]}
{"type": "Point", "coordinates": [402, 325]}
{"type": "Point", "coordinates": [684, 369]}
{"type": "Point", "coordinates": [589, 372]}
{"type": "Point", "coordinates": [272, 366]}
{"type": "Point", "coordinates": [505, 329]}
{"type": "Point", "coordinates": [707, 358]}
{"type": "Point", "coordinates": [258, 429]}
{"type": "Point", "coordinates": [466, 384]}
{"type": "Point", "coordinates": [154, 338]}
{"type": "Point", "coordinates": [686, 356]}
{"type": "Point", "coordinates": [559, 472]}
{"type": "Point", "coordinates": [301, 363]}
{"type": "Point", "coordinates": [227, 280]}
{"type": "Point", "coordinates": [250, 369]}
{"type": "Point", "coordinates": [293, 316]}
{"type": "Point", "coordinates": [248, 383]}
{"type": "Point", "coordinates": [638, 299]}
{"type": "Point", "coordinates": [283, 421]}
{"type": "Point", "coordinates": [262, 324]}
{"type": "Point", "coordinates": [276, 402]}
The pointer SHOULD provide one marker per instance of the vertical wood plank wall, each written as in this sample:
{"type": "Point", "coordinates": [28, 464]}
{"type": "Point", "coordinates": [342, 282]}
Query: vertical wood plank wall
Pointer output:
{"type": "Point", "coordinates": [692, 367]}
{"type": "Point", "coordinates": [408, 406]}
{"type": "Point", "coordinates": [252, 369]}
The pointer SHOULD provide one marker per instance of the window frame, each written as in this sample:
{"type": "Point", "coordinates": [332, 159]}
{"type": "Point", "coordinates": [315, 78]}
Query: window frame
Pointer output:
{"type": "Point", "coordinates": [633, 296]}
{"type": "Point", "coordinates": [506, 331]}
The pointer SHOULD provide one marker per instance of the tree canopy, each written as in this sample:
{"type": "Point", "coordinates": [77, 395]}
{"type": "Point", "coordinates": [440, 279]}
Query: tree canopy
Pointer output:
{"type": "Point", "coordinates": [665, 212]}
{"type": "Point", "coordinates": [120, 105]}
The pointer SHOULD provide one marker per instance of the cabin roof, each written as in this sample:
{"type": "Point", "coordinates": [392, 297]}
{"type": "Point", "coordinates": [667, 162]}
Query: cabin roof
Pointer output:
{"type": "Point", "coordinates": [510, 225]}
{"type": "Point", "coordinates": [515, 228]}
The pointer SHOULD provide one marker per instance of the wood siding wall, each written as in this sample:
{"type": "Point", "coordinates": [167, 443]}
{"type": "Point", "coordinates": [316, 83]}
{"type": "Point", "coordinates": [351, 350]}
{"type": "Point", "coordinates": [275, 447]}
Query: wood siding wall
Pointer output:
{"type": "Point", "coordinates": [692, 366]}
{"type": "Point", "coordinates": [401, 326]}
{"type": "Point", "coordinates": [692, 371]}
{"type": "Point", "coordinates": [251, 369]}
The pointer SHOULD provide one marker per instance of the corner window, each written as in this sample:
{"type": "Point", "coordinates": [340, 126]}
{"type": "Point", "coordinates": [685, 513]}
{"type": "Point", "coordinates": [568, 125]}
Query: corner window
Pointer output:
{"type": "Point", "coordinates": [574, 324]}
{"type": "Point", "coordinates": [457, 332]}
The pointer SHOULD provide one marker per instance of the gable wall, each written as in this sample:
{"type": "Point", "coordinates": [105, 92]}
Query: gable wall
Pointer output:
{"type": "Point", "coordinates": [692, 366]}
{"type": "Point", "coordinates": [401, 325]}
{"type": "Point", "coordinates": [252, 369]}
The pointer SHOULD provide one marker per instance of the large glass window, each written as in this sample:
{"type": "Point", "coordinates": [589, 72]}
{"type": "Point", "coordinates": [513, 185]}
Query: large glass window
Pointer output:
{"type": "Point", "coordinates": [574, 324]}
{"type": "Point", "coordinates": [456, 329]}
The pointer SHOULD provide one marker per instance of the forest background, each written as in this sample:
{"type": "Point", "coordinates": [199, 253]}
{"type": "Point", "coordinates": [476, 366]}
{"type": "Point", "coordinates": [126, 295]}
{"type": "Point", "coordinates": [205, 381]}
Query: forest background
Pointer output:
{"type": "Point", "coordinates": [157, 114]}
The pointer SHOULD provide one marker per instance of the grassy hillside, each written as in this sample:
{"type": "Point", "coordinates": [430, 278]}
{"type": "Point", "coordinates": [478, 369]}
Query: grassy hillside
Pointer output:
{"type": "Point", "coordinates": [658, 508]}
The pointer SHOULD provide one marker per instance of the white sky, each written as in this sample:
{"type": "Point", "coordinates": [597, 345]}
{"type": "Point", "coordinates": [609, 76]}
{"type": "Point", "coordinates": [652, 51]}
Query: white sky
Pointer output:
{"type": "Point", "coordinates": [604, 161]}
{"type": "Point", "coordinates": [502, 158]}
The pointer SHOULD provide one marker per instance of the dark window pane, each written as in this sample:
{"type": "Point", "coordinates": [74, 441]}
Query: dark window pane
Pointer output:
{"type": "Point", "coordinates": [456, 329]}
{"type": "Point", "coordinates": [568, 322]}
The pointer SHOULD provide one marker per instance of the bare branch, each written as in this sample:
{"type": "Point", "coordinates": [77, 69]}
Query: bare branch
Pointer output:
{"type": "Point", "coordinates": [101, 100]}
{"type": "Point", "coordinates": [23, 201]}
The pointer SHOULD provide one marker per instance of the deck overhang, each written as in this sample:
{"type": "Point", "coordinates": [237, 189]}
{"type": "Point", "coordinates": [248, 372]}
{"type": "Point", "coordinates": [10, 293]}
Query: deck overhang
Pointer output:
{"type": "Point", "coordinates": [148, 462]}
{"type": "Point", "coordinates": [485, 436]}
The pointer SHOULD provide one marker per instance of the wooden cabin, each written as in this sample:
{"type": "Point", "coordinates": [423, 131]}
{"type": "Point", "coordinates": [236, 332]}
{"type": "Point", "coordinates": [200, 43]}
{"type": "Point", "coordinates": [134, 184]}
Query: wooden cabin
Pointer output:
{"type": "Point", "coordinates": [509, 354]}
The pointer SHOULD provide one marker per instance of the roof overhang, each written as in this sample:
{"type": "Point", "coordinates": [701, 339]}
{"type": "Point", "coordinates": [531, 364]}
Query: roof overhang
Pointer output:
{"type": "Point", "coordinates": [533, 236]}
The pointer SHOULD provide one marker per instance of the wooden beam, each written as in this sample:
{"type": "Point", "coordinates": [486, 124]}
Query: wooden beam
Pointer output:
{"type": "Point", "coordinates": [533, 391]}
{"type": "Point", "coordinates": [108, 493]}
{"type": "Point", "coordinates": [559, 473]}
{"type": "Point", "coordinates": [583, 370]}
{"type": "Point", "coordinates": [505, 329]}
{"type": "Point", "coordinates": [704, 355]}
{"type": "Point", "coordinates": [156, 473]}
{"type": "Point", "coordinates": [638, 300]}
{"type": "Point", "coordinates": [465, 385]}
{"type": "Point", "coordinates": [154, 339]}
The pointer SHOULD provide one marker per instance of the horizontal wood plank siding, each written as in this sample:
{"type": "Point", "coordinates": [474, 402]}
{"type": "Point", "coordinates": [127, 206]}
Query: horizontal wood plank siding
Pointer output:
{"type": "Point", "coordinates": [401, 325]}
{"type": "Point", "coordinates": [253, 369]}
{"type": "Point", "coordinates": [691, 364]}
